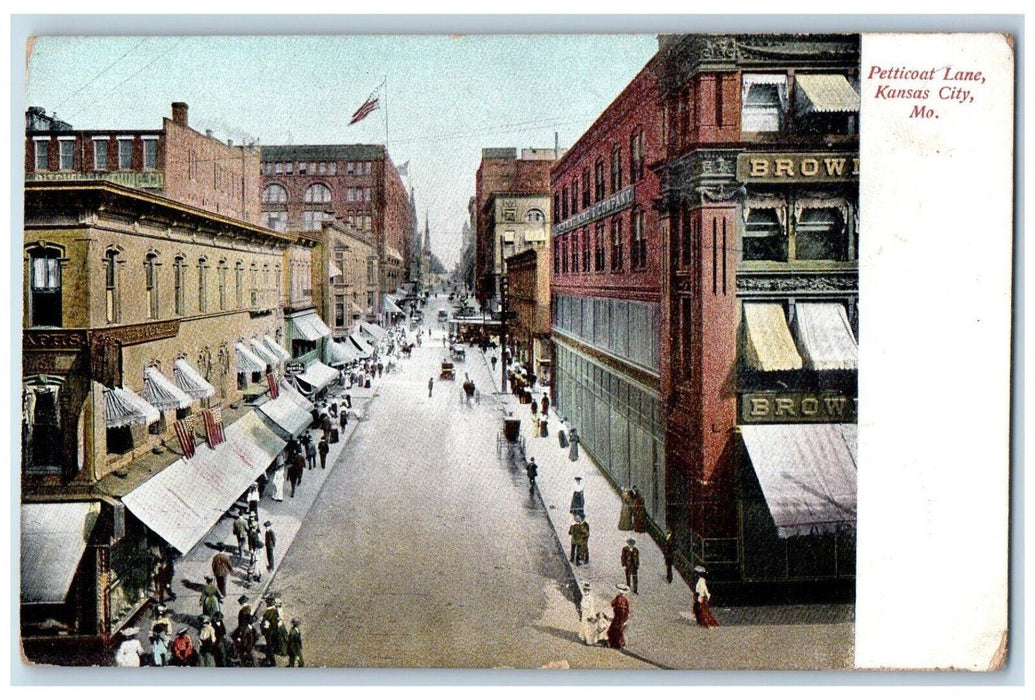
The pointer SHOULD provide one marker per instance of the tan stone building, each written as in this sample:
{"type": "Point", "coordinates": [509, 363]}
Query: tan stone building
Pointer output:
{"type": "Point", "coordinates": [348, 292]}
{"type": "Point", "coordinates": [516, 223]}
{"type": "Point", "coordinates": [528, 274]}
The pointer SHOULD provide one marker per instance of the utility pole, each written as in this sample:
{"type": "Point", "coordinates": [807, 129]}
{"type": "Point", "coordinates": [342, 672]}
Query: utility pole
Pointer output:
{"type": "Point", "coordinates": [504, 310]}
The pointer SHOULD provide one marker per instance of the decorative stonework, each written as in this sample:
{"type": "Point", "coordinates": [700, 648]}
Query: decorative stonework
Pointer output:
{"type": "Point", "coordinates": [821, 282]}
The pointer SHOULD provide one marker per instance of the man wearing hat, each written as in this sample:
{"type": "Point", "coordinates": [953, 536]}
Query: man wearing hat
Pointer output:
{"type": "Point", "coordinates": [619, 618]}
{"type": "Point", "coordinates": [532, 470]}
{"type": "Point", "coordinates": [271, 542]}
{"type": "Point", "coordinates": [210, 598]}
{"type": "Point", "coordinates": [207, 642]}
{"type": "Point", "coordinates": [270, 627]}
{"type": "Point", "coordinates": [240, 532]}
{"type": "Point", "coordinates": [631, 564]}
{"type": "Point", "coordinates": [221, 568]}
{"type": "Point", "coordinates": [222, 640]}
{"type": "Point", "coordinates": [579, 533]}
{"type": "Point", "coordinates": [244, 636]}
{"type": "Point", "coordinates": [294, 644]}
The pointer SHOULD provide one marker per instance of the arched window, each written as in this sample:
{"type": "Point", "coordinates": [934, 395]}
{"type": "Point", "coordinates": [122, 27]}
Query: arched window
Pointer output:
{"type": "Point", "coordinates": [151, 284]}
{"type": "Point", "coordinates": [178, 276]}
{"type": "Point", "coordinates": [111, 286]}
{"type": "Point", "coordinates": [45, 286]}
{"type": "Point", "coordinates": [274, 194]}
{"type": "Point", "coordinates": [221, 272]}
{"type": "Point", "coordinates": [239, 284]}
{"type": "Point", "coordinates": [535, 216]}
{"type": "Point", "coordinates": [254, 274]}
{"type": "Point", "coordinates": [317, 194]}
{"type": "Point", "coordinates": [202, 284]}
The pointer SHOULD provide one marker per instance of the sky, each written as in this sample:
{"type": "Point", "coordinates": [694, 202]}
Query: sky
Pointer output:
{"type": "Point", "coordinates": [444, 97]}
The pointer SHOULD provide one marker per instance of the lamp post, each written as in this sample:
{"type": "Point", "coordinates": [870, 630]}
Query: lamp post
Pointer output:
{"type": "Point", "coordinates": [504, 310]}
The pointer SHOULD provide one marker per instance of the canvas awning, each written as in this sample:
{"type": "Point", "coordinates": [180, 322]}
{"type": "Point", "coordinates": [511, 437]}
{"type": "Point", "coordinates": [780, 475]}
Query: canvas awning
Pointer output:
{"type": "Point", "coordinates": [277, 349]}
{"type": "Point", "coordinates": [317, 376]}
{"type": "Point", "coordinates": [825, 336]}
{"type": "Point", "coordinates": [391, 306]}
{"type": "Point", "coordinates": [247, 361]}
{"type": "Point", "coordinates": [292, 393]}
{"type": "Point", "coordinates": [254, 442]}
{"type": "Point", "coordinates": [768, 345]}
{"type": "Point", "coordinates": [191, 381]}
{"type": "Point", "coordinates": [827, 93]}
{"type": "Point", "coordinates": [54, 537]}
{"type": "Point", "coordinates": [287, 417]}
{"type": "Point", "coordinates": [264, 353]}
{"type": "Point", "coordinates": [333, 270]}
{"type": "Point", "coordinates": [393, 253]}
{"type": "Point", "coordinates": [365, 349]}
{"type": "Point", "coordinates": [308, 327]}
{"type": "Point", "coordinates": [807, 473]}
{"type": "Point", "coordinates": [372, 330]}
{"type": "Point", "coordinates": [122, 407]}
{"type": "Point", "coordinates": [341, 354]}
{"type": "Point", "coordinates": [163, 394]}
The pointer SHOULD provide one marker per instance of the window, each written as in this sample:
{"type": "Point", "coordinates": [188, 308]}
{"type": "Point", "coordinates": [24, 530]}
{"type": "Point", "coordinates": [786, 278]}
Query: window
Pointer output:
{"type": "Point", "coordinates": [574, 195]}
{"type": "Point", "coordinates": [276, 220]}
{"type": "Point", "coordinates": [332, 168]}
{"type": "Point", "coordinates": [575, 253]}
{"type": "Point", "coordinates": [616, 169]}
{"type": "Point", "coordinates": [41, 146]}
{"type": "Point", "coordinates": [616, 243]}
{"type": "Point", "coordinates": [276, 280]}
{"type": "Point", "coordinates": [45, 287]}
{"type": "Point", "coordinates": [366, 190]}
{"type": "Point", "coordinates": [556, 256]}
{"type": "Point", "coordinates": [598, 248]}
{"type": "Point", "coordinates": [66, 154]}
{"type": "Point", "coordinates": [636, 156]}
{"type": "Point", "coordinates": [585, 250]}
{"type": "Point", "coordinates": [564, 255]}
{"type": "Point", "coordinates": [150, 153]}
{"type": "Point", "coordinates": [274, 194]}
{"type": "Point", "coordinates": [239, 284]}
{"type": "Point", "coordinates": [535, 216]}
{"type": "Point", "coordinates": [370, 302]}
{"type": "Point", "coordinates": [350, 194]}
{"type": "Point", "coordinates": [313, 220]}
{"type": "Point", "coordinates": [557, 205]}
{"type": "Point", "coordinates": [339, 310]}
{"type": "Point", "coordinates": [764, 102]}
{"type": "Point", "coordinates": [202, 285]}
{"type": "Point", "coordinates": [564, 204]}
{"type": "Point", "coordinates": [688, 229]}
{"type": "Point", "coordinates": [151, 284]}
{"type": "Point", "coordinates": [288, 167]}
{"type": "Point", "coordinates": [585, 188]}
{"type": "Point", "coordinates": [125, 154]}
{"type": "Point", "coordinates": [639, 242]}
{"type": "Point", "coordinates": [178, 284]}
{"type": "Point", "coordinates": [111, 289]}
{"type": "Point", "coordinates": [599, 183]}
{"type": "Point", "coordinates": [221, 271]}
{"type": "Point", "coordinates": [820, 235]}
{"type": "Point", "coordinates": [278, 168]}
{"type": "Point", "coordinates": [253, 273]}
{"type": "Point", "coordinates": [764, 237]}
{"type": "Point", "coordinates": [317, 193]}
{"type": "Point", "coordinates": [100, 154]}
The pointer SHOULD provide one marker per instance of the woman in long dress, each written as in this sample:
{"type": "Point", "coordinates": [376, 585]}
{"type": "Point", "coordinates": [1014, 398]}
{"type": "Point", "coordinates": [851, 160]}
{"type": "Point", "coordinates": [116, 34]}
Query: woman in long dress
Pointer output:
{"type": "Point", "coordinates": [573, 440]}
{"type": "Point", "coordinates": [278, 483]}
{"type": "Point", "coordinates": [594, 621]}
{"type": "Point", "coordinates": [130, 650]}
{"type": "Point", "coordinates": [625, 517]}
{"type": "Point", "coordinates": [702, 612]}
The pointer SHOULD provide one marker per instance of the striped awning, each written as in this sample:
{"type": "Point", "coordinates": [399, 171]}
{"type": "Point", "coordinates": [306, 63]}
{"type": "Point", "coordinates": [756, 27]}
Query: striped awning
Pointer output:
{"type": "Point", "coordinates": [286, 415]}
{"type": "Point", "coordinates": [827, 93]}
{"type": "Point", "coordinates": [254, 442]}
{"type": "Point", "coordinates": [54, 537]}
{"type": "Point", "coordinates": [308, 327]}
{"type": "Point", "coordinates": [163, 394]}
{"type": "Point", "coordinates": [391, 306]}
{"type": "Point", "coordinates": [372, 330]}
{"type": "Point", "coordinates": [264, 353]}
{"type": "Point", "coordinates": [825, 336]}
{"type": "Point", "coordinates": [317, 376]}
{"type": "Point", "coordinates": [768, 345]}
{"type": "Point", "coordinates": [247, 361]}
{"type": "Point", "coordinates": [807, 473]}
{"type": "Point", "coordinates": [191, 381]}
{"type": "Point", "coordinates": [292, 393]}
{"type": "Point", "coordinates": [122, 407]}
{"type": "Point", "coordinates": [277, 349]}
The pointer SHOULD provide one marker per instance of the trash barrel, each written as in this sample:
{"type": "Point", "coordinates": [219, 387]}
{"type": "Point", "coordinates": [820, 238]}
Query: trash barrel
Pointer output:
{"type": "Point", "coordinates": [511, 429]}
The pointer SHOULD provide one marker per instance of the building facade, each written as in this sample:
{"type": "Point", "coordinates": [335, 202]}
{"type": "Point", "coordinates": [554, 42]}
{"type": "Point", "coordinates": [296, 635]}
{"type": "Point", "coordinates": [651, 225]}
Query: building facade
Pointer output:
{"type": "Point", "coordinates": [352, 288]}
{"type": "Point", "coordinates": [528, 275]}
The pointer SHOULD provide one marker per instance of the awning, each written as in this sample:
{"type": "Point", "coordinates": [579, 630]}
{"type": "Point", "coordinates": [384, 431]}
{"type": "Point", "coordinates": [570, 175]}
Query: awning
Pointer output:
{"type": "Point", "coordinates": [827, 93]}
{"type": "Point", "coordinates": [292, 393]}
{"type": "Point", "coordinates": [277, 349]}
{"type": "Point", "coordinates": [768, 345]}
{"type": "Point", "coordinates": [254, 442]}
{"type": "Point", "coordinates": [191, 381]}
{"type": "Point", "coordinates": [390, 305]}
{"type": "Point", "coordinates": [264, 353]}
{"type": "Point", "coordinates": [122, 407]}
{"type": "Point", "coordinates": [356, 308]}
{"type": "Point", "coordinates": [247, 360]}
{"type": "Point", "coordinates": [372, 330]}
{"type": "Point", "coordinates": [333, 270]}
{"type": "Point", "coordinates": [163, 394]}
{"type": "Point", "coordinates": [364, 348]}
{"type": "Point", "coordinates": [54, 537]}
{"type": "Point", "coordinates": [393, 253]}
{"type": "Point", "coordinates": [341, 354]}
{"type": "Point", "coordinates": [286, 415]}
{"type": "Point", "coordinates": [807, 473]}
{"type": "Point", "coordinates": [308, 327]}
{"type": "Point", "coordinates": [825, 336]}
{"type": "Point", "coordinates": [318, 376]}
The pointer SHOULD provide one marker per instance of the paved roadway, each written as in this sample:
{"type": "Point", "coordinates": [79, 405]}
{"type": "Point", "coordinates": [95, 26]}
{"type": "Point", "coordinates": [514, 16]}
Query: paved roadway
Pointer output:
{"type": "Point", "coordinates": [424, 550]}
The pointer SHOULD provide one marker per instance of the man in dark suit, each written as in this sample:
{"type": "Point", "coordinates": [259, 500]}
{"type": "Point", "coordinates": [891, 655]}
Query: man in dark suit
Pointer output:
{"type": "Point", "coordinates": [631, 564]}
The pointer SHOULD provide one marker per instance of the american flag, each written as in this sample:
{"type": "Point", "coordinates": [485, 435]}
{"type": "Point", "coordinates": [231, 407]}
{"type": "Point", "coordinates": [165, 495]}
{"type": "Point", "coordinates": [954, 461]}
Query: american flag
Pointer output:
{"type": "Point", "coordinates": [272, 382]}
{"type": "Point", "coordinates": [366, 108]}
{"type": "Point", "coordinates": [186, 437]}
{"type": "Point", "coordinates": [213, 428]}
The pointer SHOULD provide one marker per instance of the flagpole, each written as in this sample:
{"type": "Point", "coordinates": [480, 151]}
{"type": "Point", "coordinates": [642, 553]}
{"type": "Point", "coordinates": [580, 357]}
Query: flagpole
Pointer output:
{"type": "Point", "coordinates": [385, 83]}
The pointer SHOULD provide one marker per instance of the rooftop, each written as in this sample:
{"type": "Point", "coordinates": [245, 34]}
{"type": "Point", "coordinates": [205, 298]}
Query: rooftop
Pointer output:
{"type": "Point", "coordinates": [355, 151]}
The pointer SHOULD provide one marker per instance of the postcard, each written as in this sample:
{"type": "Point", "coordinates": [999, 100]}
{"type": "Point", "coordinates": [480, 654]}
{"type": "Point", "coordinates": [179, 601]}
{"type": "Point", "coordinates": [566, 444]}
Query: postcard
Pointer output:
{"type": "Point", "coordinates": [625, 351]}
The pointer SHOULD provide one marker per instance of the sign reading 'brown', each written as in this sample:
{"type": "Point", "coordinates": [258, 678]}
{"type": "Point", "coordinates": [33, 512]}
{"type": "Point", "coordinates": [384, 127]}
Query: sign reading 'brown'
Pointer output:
{"type": "Point", "coordinates": [797, 167]}
{"type": "Point", "coordinates": [771, 407]}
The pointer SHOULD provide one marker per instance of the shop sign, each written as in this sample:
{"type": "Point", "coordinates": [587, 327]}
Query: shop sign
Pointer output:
{"type": "Point", "coordinates": [797, 167]}
{"type": "Point", "coordinates": [142, 181]}
{"type": "Point", "coordinates": [773, 407]}
{"type": "Point", "coordinates": [605, 207]}
{"type": "Point", "coordinates": [294, 368]}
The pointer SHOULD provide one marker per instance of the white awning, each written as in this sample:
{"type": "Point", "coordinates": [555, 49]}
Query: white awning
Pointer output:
{"type": "Point", "coordinates": [807, 473]}
{"type": "Point", "coordinates": [122, 407]}
{"type": "Point", "coordinates": [288, 417]}
{"type": "Point", "coordinates": [393, 253]}
{"type": "Point", "coordinates": [333, 270]}
{"type": "Point", "coordinates": [54, 537]}
{"type": "Point", "coordinates": [372, 330]}
{"type": "Point", "coordinates": [318, 376]}
{"type": "Point", "coordinates": [191, 381]}
{"type": "Point", "coordinates": [264, 353]}
{"type": "Point", "coordinates": [163, 394]}
{"type": "Point", "coordinates": [286, 389]}
{"type": "Point", "coordinates": [365, 349]}
{"type": "Point", "coordinates": [340, 354]}
{"type": "Point", "coordinates": [247, 361]}
{"type": "Point", "coordinates": [825, 336]}
{"type": "Point", "coordinates": [768, 345]}
{"type": "Point", "coordinates": [254, 442]}
{"type": "Point", "coordinates": [391, 306]}
{"type": "Point", "coordinates": [827, 93]}
{"type": "Point", "coordinates": [277, 349]}
{"type": "Point", "coordinates": [308, 327]}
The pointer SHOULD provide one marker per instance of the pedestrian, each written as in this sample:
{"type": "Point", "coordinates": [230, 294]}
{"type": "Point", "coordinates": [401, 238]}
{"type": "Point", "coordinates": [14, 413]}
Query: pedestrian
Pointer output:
{"type": "Point", "coordinates": [493, 360]}
{"type": "Point", "coordinates": [625, 516]}
{"type": "Point", "coordinates": [244, 614]}
{"type": "Point", "coordinates": [431, 385]}
{"type": "Point", "coordinates": [594, 621]}
{"type": "Point", "coordinates": [702, 611]}
{"type": "Point", "coordinates": [160, 651]}
{"type": "Point", "coordinates": [325, 426]}
{"type": "Point", "coordinates": [639, 511]}
{"type": "Point", "coordinates": [578, 499]}
{"type": "Point", "coordinates": [207, 642]}
{"type": "Point", "coordinates": [222, 640]}
{"type": "Point", "coordinates": [546, 405]}
{"type": "Point", "coordinates": [210, 598]}
{"type": "Point", "coordinates": [343, 418]}
{"type": "Point", "coordinates": [183, 653]}
{"type": "Point", "coordinates": [310, 449]}
{"type": "Point", "coordinates": [162, 622]}
{"type": "Point", "coordinates": [240, 532]}
{"type": "Point", "coordinates": [221, 568]}
{"type": "Point", "coordinates": [163, 578]}
{"type": "Point", "coordinates": [295, 472]}
{"type": "Point", "coordinates": [533, 471]}
{"type": "Point", "coordinates": [130, 650]}
{"type": "Point", "coordinates": [631, 564]}
{"type": "Point", "coordinates": [579, 533]}
{"type": "Point", "coordinates": [380, 369]}
{"type": "Point", "coordinates": [668, 549]}
{"type": "Point", "coordinates": [535, 418]}
{"type": "Point", "coordinates": [348, 400]}
{"type": "Point", "coordinates": [271, 541]}
{"type": "Point", "coordinates": [323, 449]}
{"type": "Point", "coordinates": [278, 483]}
{"type": "Point", "coordinates": [254, 545]}
{"type": "Point", "coordinates": [270, 627]}
{"type": "Point", "coordinates": [562, 437]}
{"type": "Point", "coordinates": [573, 440]}
{"type": "Point", "coordinates": [619, 618]}
{"type": "Point", "coordinates": [294, 644]}
{"type": "Point", "coordinates": [253, 499]}
{"type": "Point", "coordinates": [244, 637]}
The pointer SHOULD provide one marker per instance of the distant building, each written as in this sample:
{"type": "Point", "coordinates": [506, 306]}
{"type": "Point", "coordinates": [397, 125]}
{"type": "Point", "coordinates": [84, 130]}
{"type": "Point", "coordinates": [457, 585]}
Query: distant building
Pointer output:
{"type": "Point", "coordinates": [528, 275]}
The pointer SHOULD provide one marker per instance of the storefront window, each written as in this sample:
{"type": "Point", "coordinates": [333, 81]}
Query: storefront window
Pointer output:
{"type": "Point", "coordinates": [764, 237]}
{"type": "Point", "coordinates": [820, 235]}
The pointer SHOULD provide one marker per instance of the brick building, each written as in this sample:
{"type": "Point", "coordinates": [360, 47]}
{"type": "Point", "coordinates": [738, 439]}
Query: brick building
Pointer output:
{"type": "Point", "coordinates": [175, 161]}
{"type": "Point", "coordinates": [528, 275]}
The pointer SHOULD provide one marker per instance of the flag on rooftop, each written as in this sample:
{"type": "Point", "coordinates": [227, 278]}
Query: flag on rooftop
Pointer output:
{"type": "Point", "coordinates": [404, 169]}
{"type": "Point", "coordinates": [366, 108]}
